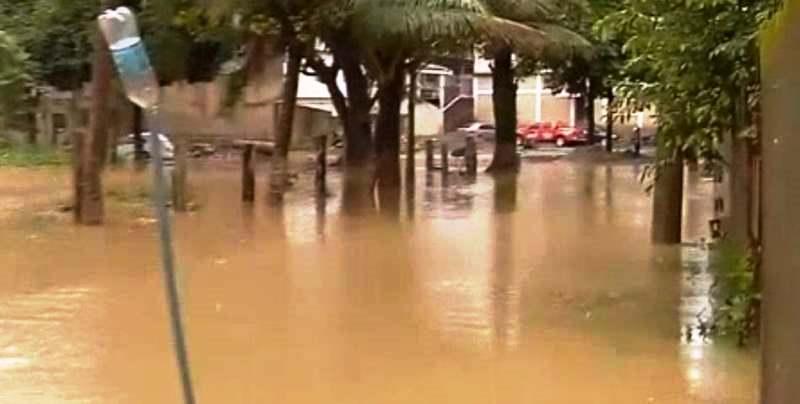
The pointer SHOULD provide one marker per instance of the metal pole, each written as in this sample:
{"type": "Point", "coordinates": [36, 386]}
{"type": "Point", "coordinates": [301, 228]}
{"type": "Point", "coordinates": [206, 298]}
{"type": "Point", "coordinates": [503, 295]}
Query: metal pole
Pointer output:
{"type": "Point", "coordinates": [168, 260]}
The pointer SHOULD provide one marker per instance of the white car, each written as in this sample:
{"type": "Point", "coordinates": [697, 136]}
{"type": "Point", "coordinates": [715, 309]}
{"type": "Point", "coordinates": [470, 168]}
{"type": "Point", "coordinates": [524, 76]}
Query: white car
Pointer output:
{"type": "Point", "coordinates": [479, 129]}
{"type": "Point", "coordinates": [128, 149]}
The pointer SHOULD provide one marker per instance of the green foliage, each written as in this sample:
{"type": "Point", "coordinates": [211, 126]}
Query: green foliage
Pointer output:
{"type": "Point", "coordinates": [696, 62]}
{"type": "Point", "coordinates": [597, 71]}
{"type": "Point", "coordinates": [735, 295]}
{"type": "Point", "coordinates": [56, 35]}
{"type": "Point", "coordinates": [14, 78]}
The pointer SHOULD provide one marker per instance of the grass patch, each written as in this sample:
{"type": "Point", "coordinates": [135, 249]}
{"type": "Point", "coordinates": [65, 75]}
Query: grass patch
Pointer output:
{"type": "Point", "coordinates": [130, 195]}
{"type": "Point", "coordinates": [32, 156]}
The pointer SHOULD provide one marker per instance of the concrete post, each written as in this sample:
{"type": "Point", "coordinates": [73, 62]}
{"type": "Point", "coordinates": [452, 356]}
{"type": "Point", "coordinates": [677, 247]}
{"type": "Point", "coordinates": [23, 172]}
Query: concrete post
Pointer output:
{"type": "Point", "coordinates": [248, 174]}
{"type": "Point", "coordinates": [471, 157]}
{"type": "Point", "coordinates": [180, 199]}
{"type": "Point", "coordinates": [321, 163]}
{"type": "Point", "coordinates": [445, 154]}
{"type": "Point", "coordinates": [429, 155]}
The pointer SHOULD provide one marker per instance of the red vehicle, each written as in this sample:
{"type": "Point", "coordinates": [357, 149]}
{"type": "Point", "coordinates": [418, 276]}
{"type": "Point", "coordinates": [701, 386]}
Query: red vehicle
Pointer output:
{"type": "Point", "coordinates": [545, 132]}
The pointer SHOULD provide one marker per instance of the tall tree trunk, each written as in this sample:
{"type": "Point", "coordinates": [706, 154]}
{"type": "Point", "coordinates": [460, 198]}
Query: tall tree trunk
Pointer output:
{"type": "Point", "coordinates": [411, 143]}
{"type": "Point", "coordinates": [78, 137]}
{"type": "Point", "coordinates": [610, 121]}
{"type": "Point", "coordinates": [358, 128]}
{"type": "Point", "coordinates": [387, 140]}
{"type": "Point", "coordinates": [506, 158]}
{"type": "Point", "coordinates": [667, 198]}
{"type": "Point", "coordinates": [95, 148]}
{"type": "Point", "coordinates": [741, 179]}
{"type": "Point", "coordinates": [591, 97]}
{"type": "Point", "coordinates": [279, 177]}
{"type": "Point", "coordinates": [355, 116]}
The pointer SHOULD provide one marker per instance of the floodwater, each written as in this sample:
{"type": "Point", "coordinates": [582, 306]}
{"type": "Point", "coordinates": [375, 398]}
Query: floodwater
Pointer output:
{"type": "Point", "coordinates": [546, 291]}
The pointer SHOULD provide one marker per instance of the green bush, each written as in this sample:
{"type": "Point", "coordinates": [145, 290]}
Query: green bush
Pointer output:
{"type": "Point", "coordinates": [735, 295]}
{"type": "Point", "coordinates": [30, 156]}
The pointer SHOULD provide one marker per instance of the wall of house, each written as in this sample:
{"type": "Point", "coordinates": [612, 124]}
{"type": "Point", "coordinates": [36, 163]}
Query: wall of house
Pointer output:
{"type": "Point", "coordinates": [429, 119]}
{"type": "Point", "coordinates": [310, 123]}
{"type": "Point", "coordinates": [534, 102]}
{"type": "Point", "coordinates": [557, 109]}
{"type": "Point", "coordinates": [195, 109]}
{"type": "Point", "coordinates": [460, 113]}
{"type": "Point", "coordinates": [198, 109]}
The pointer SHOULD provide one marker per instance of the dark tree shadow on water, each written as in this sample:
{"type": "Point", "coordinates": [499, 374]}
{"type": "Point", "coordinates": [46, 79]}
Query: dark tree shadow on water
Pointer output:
{"type": "Point", "coordinates": [505, 193]}
{"type": "Point", "coordinates": [357, 192]}
{"type": "Point", "coordinates": [502, 280]}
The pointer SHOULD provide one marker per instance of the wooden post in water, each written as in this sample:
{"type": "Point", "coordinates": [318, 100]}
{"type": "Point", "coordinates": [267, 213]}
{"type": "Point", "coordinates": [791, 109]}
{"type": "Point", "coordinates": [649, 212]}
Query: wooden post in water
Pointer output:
{"type": "Point", "coordinates": [322, 164]}
{"type": "Point", "coordinates": [180, 200]}
{"type": "Point", "coordinates": [429, 155]}
{"type": "Point", "coordinates": [445, 154]}
{"type": "Point", "coordinates": [248, 174]}
{"type": "Point", "coordinates": [471, 157]}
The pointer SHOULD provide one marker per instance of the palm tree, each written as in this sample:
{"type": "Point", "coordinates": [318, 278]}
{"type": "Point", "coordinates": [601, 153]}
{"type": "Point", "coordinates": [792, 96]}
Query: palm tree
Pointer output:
{"type": "Point", "coordinates": [543, 35]}
{"type": "Point", "coordinates": [403, 33]}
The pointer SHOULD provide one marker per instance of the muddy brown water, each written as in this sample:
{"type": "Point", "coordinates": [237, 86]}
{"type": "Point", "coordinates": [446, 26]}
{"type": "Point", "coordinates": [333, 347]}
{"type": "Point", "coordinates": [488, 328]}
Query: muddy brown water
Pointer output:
{"type": "Point", "coordinates": [485, 292]}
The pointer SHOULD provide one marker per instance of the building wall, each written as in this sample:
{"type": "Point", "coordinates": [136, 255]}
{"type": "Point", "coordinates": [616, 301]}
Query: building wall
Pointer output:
{"type": "Point", "coordinates": [429, 119]}
{"type": "Point", "coordinates": [198, 109]}
{"type": "Point", "coordinates": [557, 109]}
{"type": "Point", "coordinates": [534, 102]}
{"type": "Point", "coordinates": [460, 113]}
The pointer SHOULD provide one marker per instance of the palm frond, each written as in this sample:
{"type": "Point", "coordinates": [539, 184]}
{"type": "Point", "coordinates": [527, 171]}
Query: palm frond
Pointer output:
{"type": "Point", "coordinates": [416, 21]}
{"type": "Point", "coordinates": [534, 39]}
{"type": "Point", "coordinates": [521, 10]}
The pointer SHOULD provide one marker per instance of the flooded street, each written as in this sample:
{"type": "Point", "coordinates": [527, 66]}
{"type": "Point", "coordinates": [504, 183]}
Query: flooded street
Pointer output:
{"type": "Point", "coordinates": [543, 291]}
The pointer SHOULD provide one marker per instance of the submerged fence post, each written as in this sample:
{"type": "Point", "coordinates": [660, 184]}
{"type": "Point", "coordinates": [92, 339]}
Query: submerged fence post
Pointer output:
{"type": "Point", "coordinates": [248, 174]}
{"type": "Point", "coordinates": [429, 155]}
{"type": "Point", "coordinates": [322, 164]}
{"type": "Point", "coordinates": [179, 176]}
{"type": "Point", "coordinates": [471, 157]}
{"type": "Point", "coordinates": [445, 154]}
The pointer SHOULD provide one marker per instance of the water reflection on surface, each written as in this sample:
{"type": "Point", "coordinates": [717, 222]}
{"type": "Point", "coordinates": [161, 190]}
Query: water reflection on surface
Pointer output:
{"type": "Point", "coordinates": [537, 288]}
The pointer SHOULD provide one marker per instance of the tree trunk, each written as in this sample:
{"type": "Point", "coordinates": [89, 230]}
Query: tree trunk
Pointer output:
{"type": "Point", "coordinates": [358, 128]}
{"type": "Point", "coordinates": [411, 149]}
{"type": "Point", "coordinates": [741, 179]}
{"type": "Point", "coordinates": [77, 138]}
{"type": "Point", "coordinates": [610, 121]}
{"type": "Point", "coordinates": [356, 120]}
{"type": "Point", "coordinates": [504, 98]}
{"type": "Point", "coordinates": [591, 97]}
{"type": "Point", "coordinates": [279, 177]}
{"type": "Point", "coordinates": [95, 148]}
{"type": "Point", "coordinates": [667, 199]}
{"type": "Point", "coordinates": [387, 141]}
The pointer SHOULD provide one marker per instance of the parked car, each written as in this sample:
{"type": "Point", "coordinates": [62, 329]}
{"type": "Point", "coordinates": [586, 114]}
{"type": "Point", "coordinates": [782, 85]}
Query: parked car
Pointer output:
{"type": "Point", "coordinates": [546, 132]}
{"type": "Point", "coordinates": [127, 149]}
{"type": "Point", "coordinates": [531, 133]}
{"type": "Point", "coordinates": [480, 130]}
{"type": "Point", "coordinates": [566, 135]}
